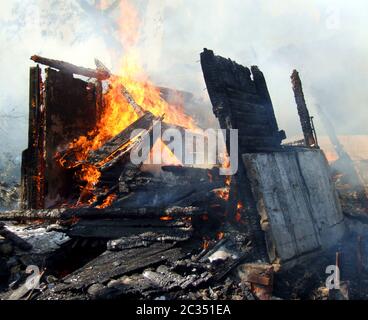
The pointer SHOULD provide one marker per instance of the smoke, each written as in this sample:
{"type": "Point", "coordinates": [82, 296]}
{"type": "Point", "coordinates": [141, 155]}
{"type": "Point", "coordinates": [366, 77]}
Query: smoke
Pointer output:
{"type": "Point", "coordinates": [324, 39]}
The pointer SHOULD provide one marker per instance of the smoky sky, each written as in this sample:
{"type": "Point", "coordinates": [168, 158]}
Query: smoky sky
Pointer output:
{"type": "Point", "coordinates": [324, 40]}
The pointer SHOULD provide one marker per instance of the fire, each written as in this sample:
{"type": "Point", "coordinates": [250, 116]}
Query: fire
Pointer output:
{"type": "Point", "coordinates": [166, 156]}
{"type": "Point", "coordinates": [223, 193]}
{"type": "Point", "coordinates": [90, 174]}
{"type": "Point", "coordinates": [108, 201]}
{"type": "Point", "coordinates": [129, 24]}
{"type": "Point", "coordinates": [205, 244]}
{"type": "Point", "coordinates": [228, 181]}
{"type": "Point", "coordinates": [166, 218]}
{"type": "Point", "coordinates": [118, 114]}
{"type": "Point", "coordinates": [220, 235]}
{"type": "Point", "coordinates": [239, 208]}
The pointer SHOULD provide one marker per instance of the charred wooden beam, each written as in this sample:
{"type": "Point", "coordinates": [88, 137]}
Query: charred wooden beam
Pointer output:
{"type": "Point", "coordinates": [147, 238]}
{"type": "Point", "coordinates": [144, 240]}
{"type": "Point", "coordinates": [33, 161]}
{"type": "Point", "coordinates": [95, 213]}
{"type": "Point", "coordinates": [115, 229]}
{"type": "Point", "coordinates": [111, 147]}
{"type": "Point", "coordinates": [305, 119]}
{"type": "Point", "coordinates": [240, 98]}
{"type": "Point", "coordinates": [70, 107]}
{"type": "Point", "coordinates": [71, 68]}
{"type": "Point", "coordinates": [111, 265]}
{"type": "Point", "coordinates": [32, 214]}
{"type": "Point", "coordinates": [137, 108]}
{"type": "Point", "coordinates": [168, 280]}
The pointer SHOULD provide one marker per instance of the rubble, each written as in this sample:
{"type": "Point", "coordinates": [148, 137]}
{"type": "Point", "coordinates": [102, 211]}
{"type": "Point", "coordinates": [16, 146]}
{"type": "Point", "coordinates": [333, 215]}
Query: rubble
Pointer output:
{"type": "Point", "coordinates": [174, 231]}
{"type": "Point", "coordinates": [9, 196]}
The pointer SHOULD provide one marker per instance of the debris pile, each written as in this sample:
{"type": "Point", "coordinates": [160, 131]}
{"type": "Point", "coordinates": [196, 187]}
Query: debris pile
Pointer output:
{"type": "Point", "coordinates": [95, 225]}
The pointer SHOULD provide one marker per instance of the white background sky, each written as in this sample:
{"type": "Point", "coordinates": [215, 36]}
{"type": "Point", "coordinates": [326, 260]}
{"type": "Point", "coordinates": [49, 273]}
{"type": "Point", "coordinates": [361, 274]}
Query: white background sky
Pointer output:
{"type": "Point", "coordinates": [325, 40]}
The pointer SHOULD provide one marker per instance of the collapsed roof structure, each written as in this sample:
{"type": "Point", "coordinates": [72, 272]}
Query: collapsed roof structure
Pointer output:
{"type": "Point", "coordinates": [139, 234]}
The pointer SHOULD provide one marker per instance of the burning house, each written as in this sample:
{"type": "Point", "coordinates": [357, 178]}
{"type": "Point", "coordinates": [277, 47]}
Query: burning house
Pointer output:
{"type": "Point", "coordinates": [100, 226]}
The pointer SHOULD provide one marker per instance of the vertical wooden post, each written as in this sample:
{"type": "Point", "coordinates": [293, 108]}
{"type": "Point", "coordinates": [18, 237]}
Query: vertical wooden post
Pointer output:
{"type": "Point", "coordinates": [33, 161]}
{"type": "Point", "coordinates": [305, 119]}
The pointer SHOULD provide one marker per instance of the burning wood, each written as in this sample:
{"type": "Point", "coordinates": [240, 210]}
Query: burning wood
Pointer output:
{"type": "Point", "coordinates": [114, 148]}
{"type": "Point", "coordinates": [174, 230]}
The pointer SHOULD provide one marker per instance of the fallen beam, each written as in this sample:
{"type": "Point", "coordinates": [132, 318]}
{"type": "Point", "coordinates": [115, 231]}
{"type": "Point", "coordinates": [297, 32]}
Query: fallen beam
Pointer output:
{"type": "Point", "coordinates": [71, 68]}
{"type": "Point", "coordinates": [95, 213]}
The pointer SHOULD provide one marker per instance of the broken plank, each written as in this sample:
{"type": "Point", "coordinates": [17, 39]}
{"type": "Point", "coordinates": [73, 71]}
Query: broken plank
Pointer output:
{"type": "Point", "coordinates": [111, 265]}
{"type": "Point", "coordinates": [115, 229]}
{"type": "Point", "coordinates": [95, 213]}
{"type": "Point", "coordinates": [147, 238]}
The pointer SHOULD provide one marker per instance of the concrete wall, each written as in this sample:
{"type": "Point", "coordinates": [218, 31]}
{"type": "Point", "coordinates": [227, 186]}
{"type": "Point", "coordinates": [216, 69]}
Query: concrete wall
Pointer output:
{"type": "Point", "coordinates": [297, 201]}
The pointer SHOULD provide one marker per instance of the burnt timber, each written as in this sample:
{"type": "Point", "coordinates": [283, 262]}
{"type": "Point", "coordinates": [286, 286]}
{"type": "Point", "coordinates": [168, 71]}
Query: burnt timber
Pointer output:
{"type": "Point", "coordinates": [33, 161]}
{"type": "Point", "coordinates": [170, 235]}
{"type": "Point", "coordinates": [305, 119]}
{"type": "Point", "coordinates": [67, 67]}
{"type": "Point", "coordinates": [240, 102]}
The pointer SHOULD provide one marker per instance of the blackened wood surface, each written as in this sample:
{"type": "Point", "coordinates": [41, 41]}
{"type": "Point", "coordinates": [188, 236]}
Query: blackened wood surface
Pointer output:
{"type": "Point", "coordinates": [71, 68]}
{"type": "Point", "coordinates": [94, 213]}
{"type": "Point", "coordinates": [111, 265]}
{"type": "Point", "coordinates": [33, 161]}
{"type": "Point", "coordinates": [115, 229]}
{"type": "Point", "coordinates": [241, 100]}
{"type": "Point", "coordinates": [70, 106]}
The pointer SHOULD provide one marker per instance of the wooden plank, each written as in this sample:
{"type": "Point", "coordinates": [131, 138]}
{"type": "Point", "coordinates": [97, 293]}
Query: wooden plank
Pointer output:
{"type": "Point", "coordinates": [294, 215]}
{"type": "Point", "coordinates": [70, 106]}
{"type": "Point", "coordinates": [111, 265]}
{"type": "Point", "coordinates": [305, 119]}
{"type": "Point", "coordinates": [114, 230]}
{"type": "Point", "coordinates": [33, 162]}
{"type": "Point", "coordinates": [95, 213]}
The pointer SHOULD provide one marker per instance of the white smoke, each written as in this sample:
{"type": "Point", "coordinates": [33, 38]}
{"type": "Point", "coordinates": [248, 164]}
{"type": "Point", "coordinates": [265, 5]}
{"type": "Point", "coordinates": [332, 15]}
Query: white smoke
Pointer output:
{"type": "Point", "coordinates": [324, 39]}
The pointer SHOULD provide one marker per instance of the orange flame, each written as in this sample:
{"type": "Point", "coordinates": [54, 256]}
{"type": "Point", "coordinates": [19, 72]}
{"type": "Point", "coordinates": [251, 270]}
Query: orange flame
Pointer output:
{"type": "Point", "coordinates": [223, 193]}
{"type": "Point", "coordinates": [108, 201]}
{"type": "Point", "coordinates": [117, 113]}
{"type": "Point", "coordinates": [167, 157]}
{"type": "Point", "coordinates": [239, 208]}
{"type": "Point", "coordinates": [166, 218]}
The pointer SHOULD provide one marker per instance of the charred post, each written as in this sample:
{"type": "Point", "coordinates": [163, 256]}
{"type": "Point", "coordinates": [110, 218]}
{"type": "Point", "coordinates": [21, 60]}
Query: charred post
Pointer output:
{"type": "Point", "coordinates": [305, 119]}
{"type": "Point", "coordinates": [33, 160]}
